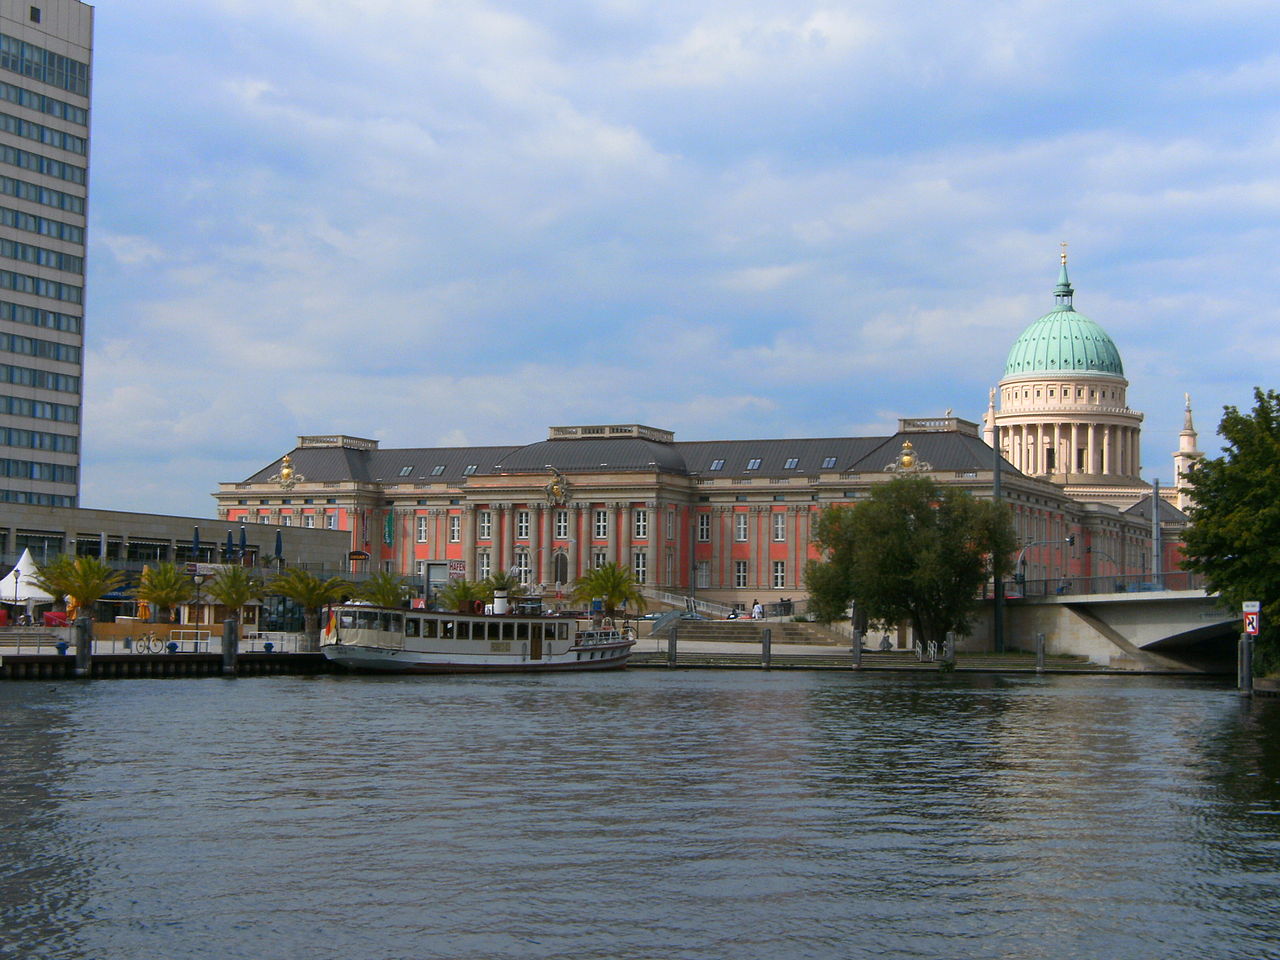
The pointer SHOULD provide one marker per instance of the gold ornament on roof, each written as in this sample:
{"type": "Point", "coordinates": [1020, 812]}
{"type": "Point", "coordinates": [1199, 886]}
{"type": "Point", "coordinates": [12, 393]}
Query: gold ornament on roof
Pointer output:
{"type": "Point", "coordinates": [558, 489]}
{"type": "Point", "coordinates": [287, 478]}
{"type": "Point", "coordinates": [908, 461]}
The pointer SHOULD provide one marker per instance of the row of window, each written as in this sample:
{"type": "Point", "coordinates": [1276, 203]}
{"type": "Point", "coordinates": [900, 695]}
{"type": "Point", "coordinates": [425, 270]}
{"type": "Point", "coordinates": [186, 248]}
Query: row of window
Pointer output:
{"type": "Point", "coordinates": [37, 499]}
{"type": "Point", "coordinates": [40, 287]}
{"type": "Point", "coordinates": [741, 574]}
{"type": "Point", "coordinates": [38, 317]}
{"type": "Point", "coordinates": [42, 134]}
{"type": "Point", "coordinates": [29, 222]}
{"type": "Point", "coordinates": [42, 104]}
{"type": "Point", "coordinates": [32, 347]}
{"type": "Point", "coordinates": [308, 520]}
{"type": "Point", "coordinates": [23, 190]}
{"type": "Point", "coordinates": [741, 527]}
{"type": "Point", "coordinates": [38, 440]}
{"type": "Point", "coordinates": [42, 379]}
{"type": "Point", "coordinates": [38, 409]}
{"type": "Point", "coordinates": [40, 256]}
{"type": "Point", "coordinates": [38, 163]}
{"type": "Point", "coordinates": [44, 65]}
{"type": "Point", "coordinates": [35, 470]}
{"type": "Point", "coordinates": [792, 463]}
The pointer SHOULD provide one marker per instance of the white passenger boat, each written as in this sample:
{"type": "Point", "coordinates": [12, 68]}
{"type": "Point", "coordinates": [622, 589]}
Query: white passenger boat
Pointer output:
{"type": "Point", "coordinates": [364, 637]}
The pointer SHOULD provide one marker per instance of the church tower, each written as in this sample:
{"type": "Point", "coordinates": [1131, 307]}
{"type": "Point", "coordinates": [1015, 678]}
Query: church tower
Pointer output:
{"type": "Point", "coordinates": [1061, 406]}
{"type": "Point", "coordinates": [1186, 457]}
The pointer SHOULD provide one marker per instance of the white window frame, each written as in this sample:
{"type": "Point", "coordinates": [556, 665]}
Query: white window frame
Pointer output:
{"type": "Point", "coordinates": [455, 528]}
{"type": "Point", "coordinates": [522, 569]}
{"type": "Point", "coordinates": [739, 574]}
{"type": "Point", "coordinates": [704, 528]}
{"type": "Point", "coordinates": [702, 572]}
{"type": "Point", "coordinates": [599, 559]}
{"type": "Point", "coordinates": [640, 567]}
{"type": "Point", "coordinates": [562, 524]}
{"type": "Point", "coordinates": [640, 525]}
{"type": "Point", "coordinates": [741, 522]}
{"type": "Point", "coordinates": [424, 527]}
{"type": "Point", "coordinates": [308, 519]}
{"type": "Point", "coordinates": [484, 524]}
{"type": "Point", "coordinates": [779, 527]}
{"type": "Point", "coordinates": [522, 524]}
{"type": "Point", "coordinates": [779, 574]}
{"type": "Point", "coordinates": [484, 565]}
{"type": "Point", "coordinates": [600, 528]}
{"type": "Point", "coordinates": [671, 526]}
{"type": "Point", "coordinates": [331, 521]}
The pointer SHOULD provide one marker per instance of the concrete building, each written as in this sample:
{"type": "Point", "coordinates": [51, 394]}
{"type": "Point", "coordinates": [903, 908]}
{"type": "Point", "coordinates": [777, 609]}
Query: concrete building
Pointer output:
{"type": "Point", "coordinates": [46, 52]}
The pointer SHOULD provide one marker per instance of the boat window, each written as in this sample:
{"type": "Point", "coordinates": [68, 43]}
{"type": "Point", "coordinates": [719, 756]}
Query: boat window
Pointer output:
{"type": "Point", "coordinates": [562, 631]}
{"type": "Point", "coordinates": [522, 631]}
{"type": "Point", "coordinates": [348, 619]}
{"type": "Point", "coordinates": [464, 630]}
{"type": "Point", "coordinates": [494, 628]}
{"type": "Point", "coordinates": [429, 628]}
{"type": "Point", "coordinates": [393, 623]}
{"type": "Point", "coordinates": [367, 619]}
{"type": "Point", "coordinates": [549, 631]}
{"type": "Point", "coordinates": [446, 629]}
{"type": "Point", "coordinates": [412, 627]}
{"type": "Point", "coordinates": [508, 630]}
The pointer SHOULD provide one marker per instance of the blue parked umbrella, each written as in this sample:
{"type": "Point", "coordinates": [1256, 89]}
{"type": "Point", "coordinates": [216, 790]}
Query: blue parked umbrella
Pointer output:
{"type": "Point", "coordinates": [279, 547]}
{"type": "Point", "coordinates": [243, 545]}
{"type": "Point", "coordinates": [195, 545]}
{"type": "Point", "coordinates": [231, 548]}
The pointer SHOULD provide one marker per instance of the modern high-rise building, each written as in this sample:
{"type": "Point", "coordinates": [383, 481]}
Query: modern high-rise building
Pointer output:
{"type": "Point", "coordinates": [46, 49]}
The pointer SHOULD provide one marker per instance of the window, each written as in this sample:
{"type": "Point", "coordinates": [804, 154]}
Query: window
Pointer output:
{"type": "Point", "coordinates": [704, 527]}
{"type": "Point", "coordinates": [562, 524]}
{"type": "Point", "coordinates": [309, 520]}
{"type": "Point", "coordinates": [739, 573]}
{"type": "Point", "coordinates": [753, 463]}
{"type": "Point", "coordinates": [331, 521]}
{"type": "Point", "coordinates": [522, 524]}
{"type": "Point", "coordinates": [779, 527]}
{"type": "Point", "coordinates": [602, 525]}
{"type": "Point", "coordinates": [640, 567]}
{"type": "Point", "coordinates": [484, 565]}
{"type": "Point", "coordinates": [521, 568]}
{"type": "Point", "coordinates": [829, 463]}
{"type": "Point", "coordinates": [599, 559]}
{"type": "Point", "coordinates": [287, 520]}
{"type": "Point", "coordinates": [779, 574]}
{"type": "Point", "coordinates": [640, 527]}
{"type": "Point", "coordinates": [423, 524]}
{"type": "Point", "coordinates": [716, 465]}
{"type": "Point", "coordinates": [791, 463]}
{"type": "Point", "coordinates": [740, 527]}
{"type": "Point", "coordinates": [671, 528]}
{"type": "Point", "coordinates": [405, 471]}
{"type": "Point", "coordinates": [35, 14]}
{"type": "Point", "coordinates": [437, 470]}
{"type": "Point", "coordinates": [455, 528]}
{"type": "Point", "coordinates": [469, 469]}
{"type": "Point", "coordinates": [702, 572]}
{"type": "Point", "coordinates": [484, 525]}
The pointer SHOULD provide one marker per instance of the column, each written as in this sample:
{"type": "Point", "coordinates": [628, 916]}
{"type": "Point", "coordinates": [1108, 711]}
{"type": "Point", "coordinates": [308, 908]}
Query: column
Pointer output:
{"type": "Point", "coordinates": [1106, 449]}
{"type": "Point", "coordinates": [468, 522]}
{"type": "Point", "coordinates": [1091, 456]}
{"type": "Point", "coordinates": [1075, 466]}
{"type": "Point", "coordinates": [536, 540]}
{"type": "Point", "coordinates": [625, 520]}
{"type": "Point", "coordinates": [1058, 466]}
{"type": "Point", "coordinates": [508, 533]}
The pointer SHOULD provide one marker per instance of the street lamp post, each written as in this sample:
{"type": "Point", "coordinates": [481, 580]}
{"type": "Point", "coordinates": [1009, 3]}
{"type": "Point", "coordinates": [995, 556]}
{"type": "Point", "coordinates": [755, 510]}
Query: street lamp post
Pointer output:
{"type": "Point", "coordinates": [1069, 540]}
{"type": "Point", "coordinates": [198, 579]}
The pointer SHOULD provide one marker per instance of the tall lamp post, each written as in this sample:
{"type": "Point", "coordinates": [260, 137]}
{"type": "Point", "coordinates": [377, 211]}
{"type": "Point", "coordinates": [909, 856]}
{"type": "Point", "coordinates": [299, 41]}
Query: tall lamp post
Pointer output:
{"type": "Point", "coordinates": [1069, 540]}
{"type": "Point", "coordinates": [198, 579]}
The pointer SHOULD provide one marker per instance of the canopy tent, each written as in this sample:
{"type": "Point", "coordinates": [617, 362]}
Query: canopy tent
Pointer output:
{"type": "Point", "coordinates": [18, 587]}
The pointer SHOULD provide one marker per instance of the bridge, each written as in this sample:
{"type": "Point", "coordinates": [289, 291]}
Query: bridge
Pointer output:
{"type": "Point", "coordinates": [1185, 629]}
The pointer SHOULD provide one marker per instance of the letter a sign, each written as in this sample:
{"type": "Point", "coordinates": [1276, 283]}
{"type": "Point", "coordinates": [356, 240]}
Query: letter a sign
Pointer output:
{"type": "Point", "coordinates": [1251, 616]}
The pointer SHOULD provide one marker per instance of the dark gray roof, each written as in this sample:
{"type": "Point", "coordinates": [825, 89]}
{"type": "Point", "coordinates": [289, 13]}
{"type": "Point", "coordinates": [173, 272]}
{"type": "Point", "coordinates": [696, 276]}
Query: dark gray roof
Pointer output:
{"type": "Point", "coordinates": [1168, 512]}
{"type": "Point", "coordinates": [810, 455]}
{"type": "Point", "coordinates": [334, 464]}
{"type": "Point", "coordinates": [616, 453]}
{"type": "Point", "coordinates": [942, 450]}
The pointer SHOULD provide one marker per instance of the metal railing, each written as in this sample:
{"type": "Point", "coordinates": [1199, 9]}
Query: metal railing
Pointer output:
{"type": "Point", "coordinates": [1114, 583]}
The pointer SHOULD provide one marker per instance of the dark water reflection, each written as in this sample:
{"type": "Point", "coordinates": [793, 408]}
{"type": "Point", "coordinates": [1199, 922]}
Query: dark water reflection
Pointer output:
{"type": "Point", "coordinates": [637, 815]}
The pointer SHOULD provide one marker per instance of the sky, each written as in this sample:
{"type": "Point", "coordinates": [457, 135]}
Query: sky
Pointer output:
{"type": "Point", "coordinates": [432, 223]}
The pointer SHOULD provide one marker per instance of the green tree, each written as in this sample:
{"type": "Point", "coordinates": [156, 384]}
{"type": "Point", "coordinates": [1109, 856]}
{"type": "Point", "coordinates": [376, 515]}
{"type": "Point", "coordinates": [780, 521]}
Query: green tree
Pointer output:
{"type": "Point", "coordinates": [233, 587]}
{"type": "Point", "coordinates": [165, 587]}
{"type": "Point", "coordinates": [54, 577]}
{"type": "Point", "coordinates": [1234, 537]}
{"type": "Point", "coordinates": [384, 589]}
{"type": "Point", "coordinates": [85, 580]}
{"type": "Point", "coordinates": [614, 586]}
{"type": "Point", "coordinates": [461, 595]}
{"type": "Point", "coordinates": [914, 552]}
{"type": "Point", "coordinates": [507, 580]}
{"type": "Point", "coordinates": [312, 594]}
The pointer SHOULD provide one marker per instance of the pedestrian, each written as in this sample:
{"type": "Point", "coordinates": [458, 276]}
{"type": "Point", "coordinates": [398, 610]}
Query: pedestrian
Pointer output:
{"type": "Point", "coordinates": [757, 611]}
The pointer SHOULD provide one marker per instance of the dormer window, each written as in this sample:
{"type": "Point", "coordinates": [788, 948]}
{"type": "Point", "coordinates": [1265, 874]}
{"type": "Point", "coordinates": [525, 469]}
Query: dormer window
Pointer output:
{"type": "Point", "coordinates": [405, 471]}
{"type": "Point", "coordinates": [717, 465]}
{"type": "Point", "coordinates": [753, 463]}
{"type": "Point", "coordinates": [791, 463]}
{"type": "Point", "coordinates": [437, 469]}
{"type": "Point", "coordinates": [469, 469]}
{"type": "Point", "coordinates": [829, 463]}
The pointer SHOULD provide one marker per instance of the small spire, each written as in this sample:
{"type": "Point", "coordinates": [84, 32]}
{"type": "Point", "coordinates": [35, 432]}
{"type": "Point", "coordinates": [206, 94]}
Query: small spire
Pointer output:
{"type": "Point", "coordinates": [1063, 293]}
{"type": "Point", "coordinates": [1187, 426]}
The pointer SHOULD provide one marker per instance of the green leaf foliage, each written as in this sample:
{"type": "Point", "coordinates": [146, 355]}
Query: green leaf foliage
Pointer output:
{"type": "Point", "coordinates": [312, 594]}
{"type": "Point", "coordinates": [461, 595]}
{"type": "Point", "coordinates": [1234, 537]}
{"type": "Point", "coordinates": [233, 587]}
{"type": "Point", "coordinates": [384, 590]}
{"type": "Point", "coordinates": [86, 580]}
{"type": "Point", "coordinates": [915, 551]}
{"type": "Point", "coordinates": [507, 580]}
{"type": "Point", "coordinates": [165, 587]}
{"type": "Point", "coordinates": [614, 586]}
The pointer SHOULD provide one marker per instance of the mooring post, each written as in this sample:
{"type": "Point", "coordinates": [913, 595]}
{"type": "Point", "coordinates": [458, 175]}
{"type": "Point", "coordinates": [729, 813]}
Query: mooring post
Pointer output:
{"type": "Point", "coordinates": [1245, 669]}
{"type": "Point", "coordinates": [671, 647]}
{"type": "Point", "coordinates": [949, 649]}
{"type": "Point", "coordinates": [84, 647]}
{"type": "Point", "coordinates": [1039, 653]}
{"type": "Point", "coordinates": [766, 647]}
{"type": "Point", "coordinates": [857, 649]}
{"type": "Point", "coordinates": [230, 646]}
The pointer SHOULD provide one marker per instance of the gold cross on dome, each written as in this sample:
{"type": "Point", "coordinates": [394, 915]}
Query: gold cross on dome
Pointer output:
{"type": "Point", "coordinates": [1064, 253]}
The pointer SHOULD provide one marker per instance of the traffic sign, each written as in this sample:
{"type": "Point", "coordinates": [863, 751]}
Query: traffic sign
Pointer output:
{"type": "Point", "coordinates": [1251, 623]}
{"type": "Point", "coordinates": [1251, 606]}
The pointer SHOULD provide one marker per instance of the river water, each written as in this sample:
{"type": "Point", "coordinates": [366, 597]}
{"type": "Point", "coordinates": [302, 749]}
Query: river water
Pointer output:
{"type": "Point", "coordinates": [643, 814]}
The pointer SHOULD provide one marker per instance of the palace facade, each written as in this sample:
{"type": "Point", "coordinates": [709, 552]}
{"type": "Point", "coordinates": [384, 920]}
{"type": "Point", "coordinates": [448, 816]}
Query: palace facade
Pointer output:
{"type": "Point", "coordinates": [732, 521]}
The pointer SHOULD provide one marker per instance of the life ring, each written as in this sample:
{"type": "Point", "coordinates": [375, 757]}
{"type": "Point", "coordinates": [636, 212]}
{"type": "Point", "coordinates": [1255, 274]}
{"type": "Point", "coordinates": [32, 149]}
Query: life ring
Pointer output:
{"type": "Point", "coordinates": [478, 606]}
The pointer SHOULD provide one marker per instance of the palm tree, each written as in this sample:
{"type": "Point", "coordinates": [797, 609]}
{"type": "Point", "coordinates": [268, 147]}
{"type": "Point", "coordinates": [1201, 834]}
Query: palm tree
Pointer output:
{"type": "Point", "coordinates": [461, 595]}
{"type": "Point", "coordinates": [613, 585]}
{"type": "Point", "coordinates": [384, 590]}
{"type": "Point", "coordinates": [165, 587]}
{"type": "Point", "coordinates": [312, 594]}
{"type": "Point", "coordinates": [233, 587]}
{"type": "Point", "coordinates": [85, 580]}
{"type": "Point", "coordinates": [507, 580]}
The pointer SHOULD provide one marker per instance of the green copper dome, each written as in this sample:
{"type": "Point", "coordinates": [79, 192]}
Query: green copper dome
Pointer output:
{"type": "Point", "coordinates": [1063, 341]}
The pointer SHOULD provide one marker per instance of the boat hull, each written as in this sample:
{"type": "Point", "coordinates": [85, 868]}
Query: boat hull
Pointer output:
{"type": "Point", "coordinates": [378, 660]}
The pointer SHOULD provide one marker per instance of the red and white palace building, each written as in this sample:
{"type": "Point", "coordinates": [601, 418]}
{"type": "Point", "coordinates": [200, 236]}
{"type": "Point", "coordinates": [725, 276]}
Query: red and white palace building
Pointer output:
{"type": "Point", "coordinates": [732, 520]}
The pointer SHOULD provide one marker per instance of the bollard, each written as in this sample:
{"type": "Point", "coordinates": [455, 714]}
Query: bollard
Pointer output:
{"type": "Point", "coordinates": [1039, 653]}
{"type": "Point", "coordinates": [766, 647]}
{"type": "Point", "coordinates": [857, 649]}
{"type": "Point", "coordinates": [949, 650]}
{"type": "Point", "coordinates": [1245, 665]}
{"type": "Point", "coordinates": [230, 646]}
{"type": "Point", "coordinates": [84, 647]}
{"type": "Point", "coordinates": [671, 647]}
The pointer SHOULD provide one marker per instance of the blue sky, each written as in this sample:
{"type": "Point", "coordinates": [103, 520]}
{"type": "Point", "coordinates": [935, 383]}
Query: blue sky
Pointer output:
{"type": "Point", "coordinates": [463, 222]}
